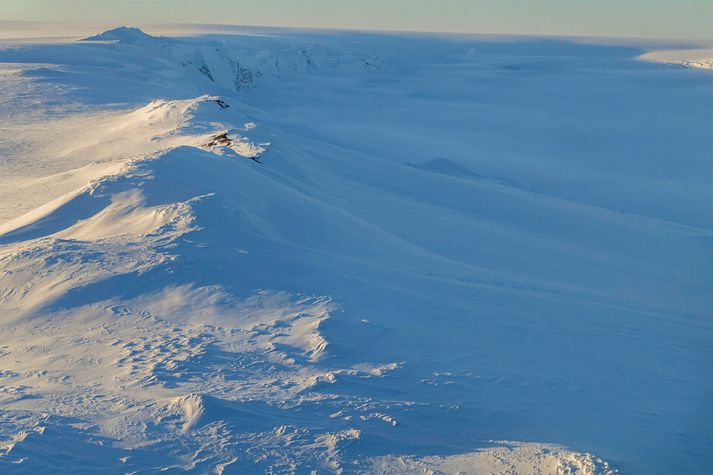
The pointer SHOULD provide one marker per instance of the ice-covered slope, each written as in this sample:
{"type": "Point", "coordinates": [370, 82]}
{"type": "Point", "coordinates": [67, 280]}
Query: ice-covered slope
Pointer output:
{"type": "Point", "coordinates": [397, 269]}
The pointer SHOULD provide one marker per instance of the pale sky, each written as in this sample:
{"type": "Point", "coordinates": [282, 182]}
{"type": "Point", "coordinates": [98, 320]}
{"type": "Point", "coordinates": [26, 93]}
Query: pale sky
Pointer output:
{"type": "Point", "coordinates": [685, 19]}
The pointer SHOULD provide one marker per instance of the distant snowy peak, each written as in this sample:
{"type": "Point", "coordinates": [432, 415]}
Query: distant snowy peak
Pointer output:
{"type": "Point", "coordinates": [123, 34]}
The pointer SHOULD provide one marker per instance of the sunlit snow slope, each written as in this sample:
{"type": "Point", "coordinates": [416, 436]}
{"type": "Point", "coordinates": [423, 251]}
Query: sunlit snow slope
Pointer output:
{"type": "Point", "coordinates": [283, 251]}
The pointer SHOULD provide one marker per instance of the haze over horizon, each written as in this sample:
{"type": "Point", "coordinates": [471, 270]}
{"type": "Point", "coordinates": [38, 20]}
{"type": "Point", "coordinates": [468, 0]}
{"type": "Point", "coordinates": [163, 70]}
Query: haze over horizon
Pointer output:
{"type": "Point", "coordinates": [685, 19]}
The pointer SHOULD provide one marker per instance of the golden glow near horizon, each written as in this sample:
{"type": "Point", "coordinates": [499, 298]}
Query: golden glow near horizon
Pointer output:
{"type": "Point", "coordinates": [685, 19]}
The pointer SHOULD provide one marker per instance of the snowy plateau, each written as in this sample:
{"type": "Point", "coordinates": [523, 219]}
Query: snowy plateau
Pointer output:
{"type": "Point", "coordinates": [255, 250]}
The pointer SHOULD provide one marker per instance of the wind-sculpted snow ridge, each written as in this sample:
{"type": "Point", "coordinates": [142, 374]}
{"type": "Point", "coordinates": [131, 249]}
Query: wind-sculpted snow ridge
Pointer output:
{"type": "Point", "coordinates": [107, 142]}
{"type": "Point", "coordinates": [179, 375]}
{"type": "Point", "coordinates": [135, 352]}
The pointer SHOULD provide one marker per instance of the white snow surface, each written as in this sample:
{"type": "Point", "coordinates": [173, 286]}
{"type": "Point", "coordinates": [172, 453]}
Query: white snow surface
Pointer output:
{"type": "Point", "coordinates": [696, 58]}
{"type": "Point", "coordinates": [288, 251]}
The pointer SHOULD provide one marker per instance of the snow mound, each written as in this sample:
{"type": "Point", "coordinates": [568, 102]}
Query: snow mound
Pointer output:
{"type": "Point", "coordinates": [696, 58]}
{"type": "Point", "coordinates": [507, 458]}
{"type": "Point", "coordinates": [705, 63]}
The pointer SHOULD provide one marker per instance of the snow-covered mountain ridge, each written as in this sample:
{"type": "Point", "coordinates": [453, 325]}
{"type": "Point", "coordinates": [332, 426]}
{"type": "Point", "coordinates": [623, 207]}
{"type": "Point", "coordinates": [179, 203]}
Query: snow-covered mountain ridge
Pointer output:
{"type": "Point", "coordinates": [239, 69]}
{"type": "Point", "coordinates": [160, 349]}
